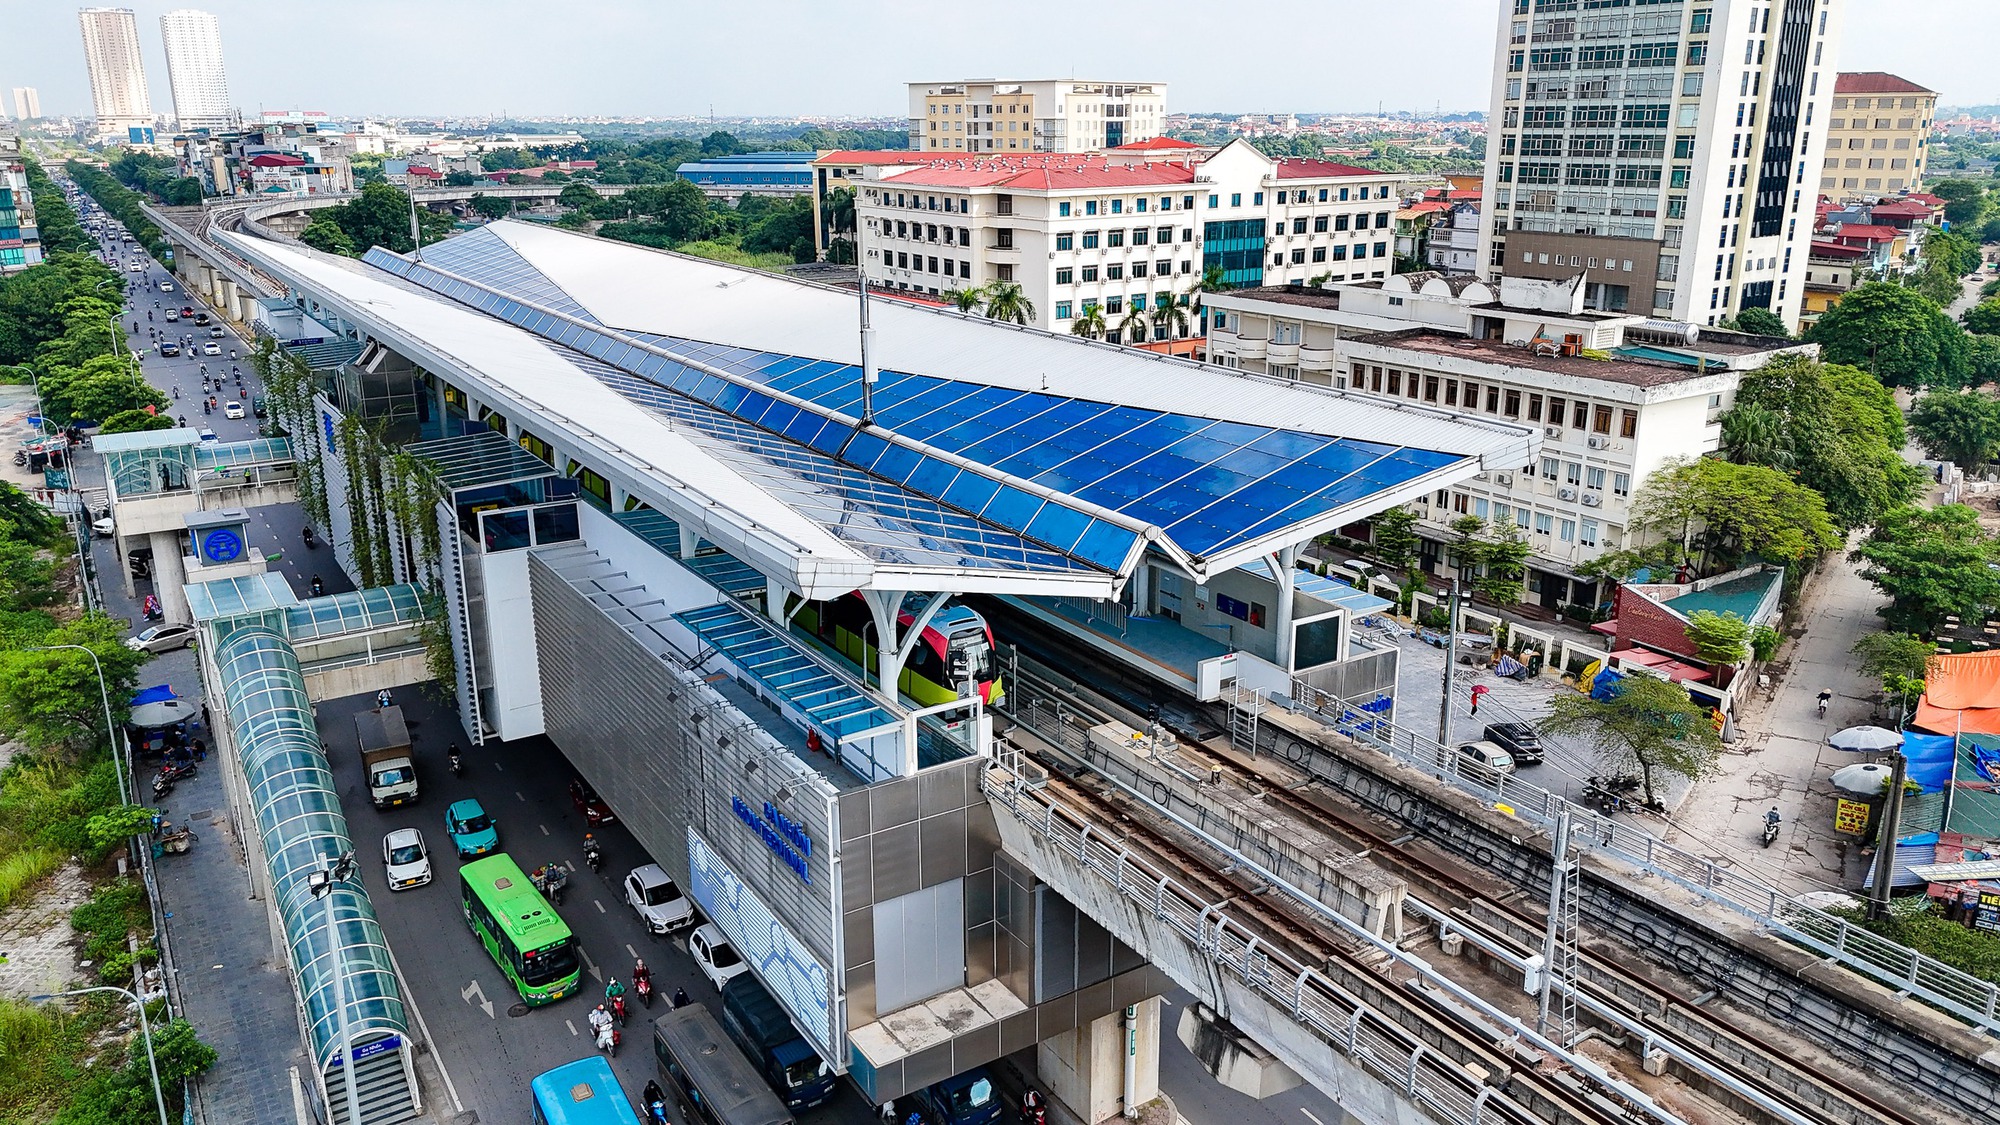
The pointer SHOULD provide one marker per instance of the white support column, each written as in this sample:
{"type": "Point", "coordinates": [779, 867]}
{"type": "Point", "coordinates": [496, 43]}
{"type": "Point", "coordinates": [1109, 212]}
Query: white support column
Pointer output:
{"type": "Point", "coordinates": [883, 607]}
{"type": "Point", "coordinates": [690, 539]}
{"type": "Point", "coordinates": [1284, 568]}
{"type": "Point", "coordinates": [1142, 589]}
{"type": "Point", "coordinates": [170, 576]}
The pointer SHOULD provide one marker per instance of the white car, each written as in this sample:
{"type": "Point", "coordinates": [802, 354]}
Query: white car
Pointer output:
{"type": "Point", "coordinates": [657, 900]}
{"type": "Point", "coordinates": [232, 409]}
{"type": "Point", "coordinates": [717, 958]}
{"type": "Point", "coordinates": [405, 859]}
{"type": "Point", "coordinates": [211, 349]}
{"type": "Point", "coordinates": [166, 286]}
{"type": "Point", "coordinates": [134, 267]}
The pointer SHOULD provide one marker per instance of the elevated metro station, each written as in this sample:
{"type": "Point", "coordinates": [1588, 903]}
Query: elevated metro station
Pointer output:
{"type": "Point", "coordinates": [691, 521]}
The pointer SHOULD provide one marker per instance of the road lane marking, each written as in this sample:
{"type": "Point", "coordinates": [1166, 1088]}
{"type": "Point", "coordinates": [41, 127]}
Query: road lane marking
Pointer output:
{"type": "Point", "coordinates": [498, 766]}
{"type": "Point", "coordinates": [424, 1028]}
{"type": "Point", "coordinates": [518, 797]}
{"type": "Point", "coordinates": [1310, 1117]}
{"type": "Point", "coordinates": [544, 828]}
{"type": "Point", "coordinates": [469, 991]}
{"type": "Point", "coordinates": [631, 952]}
{"type": "Point", "coordinates": [571, 1024]}
{"type": "Point", "coordinates": [591, 965]}
{"type": "Point", "coordinates": [600, 907]}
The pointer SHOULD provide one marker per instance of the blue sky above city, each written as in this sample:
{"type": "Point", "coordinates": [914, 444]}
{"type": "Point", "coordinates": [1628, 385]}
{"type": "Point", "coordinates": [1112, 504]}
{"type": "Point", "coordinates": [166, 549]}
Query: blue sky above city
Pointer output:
{"type": "Point", "coordinates": [647, 57]}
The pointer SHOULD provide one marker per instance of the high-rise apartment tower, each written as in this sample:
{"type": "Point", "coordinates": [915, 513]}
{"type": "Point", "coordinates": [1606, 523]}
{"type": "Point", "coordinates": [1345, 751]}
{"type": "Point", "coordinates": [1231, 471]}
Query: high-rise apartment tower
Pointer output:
{"type": "Point", "coordinates": [194, 68]}
{"type": "Point", "coordinates": [117, 74]}
{"type": "Point", "coordinates": [1668, 150]}
{"type": "Point", "coordinates": [27, 103]}
{"type": "Point", "coordinates": [1053, 115]}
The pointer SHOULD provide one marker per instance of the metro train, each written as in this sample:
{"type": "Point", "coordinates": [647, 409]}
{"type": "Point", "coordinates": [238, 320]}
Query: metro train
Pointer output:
{"type": "Point", "coordinates": [956, 646]}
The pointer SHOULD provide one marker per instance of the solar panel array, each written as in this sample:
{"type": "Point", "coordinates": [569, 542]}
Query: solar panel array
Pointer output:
{"type": "Point", "coordinates": [1209, 485]}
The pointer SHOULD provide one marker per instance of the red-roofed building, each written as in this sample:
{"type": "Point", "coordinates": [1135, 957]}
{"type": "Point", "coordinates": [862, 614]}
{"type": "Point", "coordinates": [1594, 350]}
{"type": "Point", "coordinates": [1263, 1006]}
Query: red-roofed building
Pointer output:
{"type": "Point", "coordinates": [1117, 230]}
{"type": "Point", "coordinates": [1878, 135]}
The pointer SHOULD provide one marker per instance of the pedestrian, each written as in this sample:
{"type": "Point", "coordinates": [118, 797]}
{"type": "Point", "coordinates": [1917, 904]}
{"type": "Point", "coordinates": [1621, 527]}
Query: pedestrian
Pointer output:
{"type": "Point", "coordinates": [204, 714]}
{"type": "Point", "coordinates": [200, 750]}
{"type": "Point", "coordinates": [1478, 692]}
{"type": "Point", "coordinates": [383, 699]}
{"type": "Point", "coordinates": [888, 1111]}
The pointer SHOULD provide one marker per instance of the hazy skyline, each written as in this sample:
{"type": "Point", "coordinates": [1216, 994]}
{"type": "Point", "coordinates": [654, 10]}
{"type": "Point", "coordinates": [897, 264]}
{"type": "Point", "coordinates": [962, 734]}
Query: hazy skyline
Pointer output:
{"type": "Point", "coordinates": [632, 58]}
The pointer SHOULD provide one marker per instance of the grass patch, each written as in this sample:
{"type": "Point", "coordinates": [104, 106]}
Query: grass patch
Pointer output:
{"type": "Point", "coordinates": [22, 870]}
{"type": "Point", "coordinates": [86, 1065]}
{"type": "Point", "coordinates": [736, 255]}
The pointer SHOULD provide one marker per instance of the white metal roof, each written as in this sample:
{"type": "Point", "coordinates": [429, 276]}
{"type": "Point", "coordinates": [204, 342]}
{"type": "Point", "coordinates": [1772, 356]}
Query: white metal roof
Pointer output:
{"type": "Point", "coordinates": [640, 289]}
{"type": "Point", "coordinates": [533, 384]}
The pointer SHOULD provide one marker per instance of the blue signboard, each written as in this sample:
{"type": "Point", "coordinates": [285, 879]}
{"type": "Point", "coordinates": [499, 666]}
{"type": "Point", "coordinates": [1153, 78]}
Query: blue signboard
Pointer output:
{"type": "Point", "coordinates": [786, 839]}
{"type": "Point", "coordinates": [369, 1050]}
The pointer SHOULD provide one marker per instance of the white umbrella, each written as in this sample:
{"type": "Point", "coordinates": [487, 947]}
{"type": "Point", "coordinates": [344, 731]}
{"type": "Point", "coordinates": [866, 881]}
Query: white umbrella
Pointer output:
{"type": "Point", "coordinates": [1866, 740]}
{"type": "Point", "coordinates": [1862, 779]}
{"type": "Point", "coordinates": [167, 712]}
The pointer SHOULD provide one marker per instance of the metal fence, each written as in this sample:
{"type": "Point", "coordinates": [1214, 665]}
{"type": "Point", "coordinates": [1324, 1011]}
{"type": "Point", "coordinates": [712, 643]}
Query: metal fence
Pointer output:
{"type": "Point", "coordinates": [1960, 993]}
{"type": "Point", "coordinates": [1378, 1044]}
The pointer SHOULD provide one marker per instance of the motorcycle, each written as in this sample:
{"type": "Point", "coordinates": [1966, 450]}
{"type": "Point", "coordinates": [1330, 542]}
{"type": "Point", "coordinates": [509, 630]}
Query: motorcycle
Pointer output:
{"type": "Point", "coordinates": [457, 765]}
{"type": "Point", "coordinates": [557, 880]}
{"type": "Point", "coordinates": [594, 857]}
{"type": "Point", "coordinates": [307, 535]}
{"type": "Point", "coordinates": [20, 457]}
{"type": "Point", "coordinates": [618, 1009]}
{"type": "Point", "coordinates": [1770, 832]}
{"type": "Point", "coordinates": [1034, 1111]}
{"type": "Point", "coordinates": [150, 608]}
{"type": "Point", "coordinates": [644, 987]}
{"type": "Point", "coordinates": [608, 1037]}
{"type": "Point", "coordinates": [318, 587]}
{"type": "Point", "coordinates": [168, 777]}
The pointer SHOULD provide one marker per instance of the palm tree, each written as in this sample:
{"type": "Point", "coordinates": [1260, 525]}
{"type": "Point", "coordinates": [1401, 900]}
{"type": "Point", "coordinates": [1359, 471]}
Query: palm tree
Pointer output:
{"type": "Point", "coordinates": [1211, 282]}
{"type": "Point", "coordinates": [1755, 435]}
{"type": "Point", "coordinates": [966, 300]}
{"type": "Point", "coordinates": [1091, 324]}
{"type": "Point", "coordinates": [1133, 326]}
{"type": "Point", "coordinates": [1171, 315]}
{"type": "Point", "coordinates": [1006, 301]}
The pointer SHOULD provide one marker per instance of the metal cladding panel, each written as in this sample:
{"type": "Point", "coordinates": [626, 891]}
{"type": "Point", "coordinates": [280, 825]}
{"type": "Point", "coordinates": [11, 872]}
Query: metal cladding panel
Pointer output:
{"type": "Point", "coordinates": [671, 754]}
{"type": "Point", "coordinates": [796, 979]}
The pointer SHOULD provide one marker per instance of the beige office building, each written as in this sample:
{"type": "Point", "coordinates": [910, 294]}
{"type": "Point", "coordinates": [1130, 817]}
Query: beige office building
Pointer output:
{"type": "Point", "coordinates": [27, 103]}
{"type": "Point", "coordinates": [1878, 135]}
{"type": "Point", "coordinates": [1052, 115]}
{"type": "Point", "coordinates": [117, 73]}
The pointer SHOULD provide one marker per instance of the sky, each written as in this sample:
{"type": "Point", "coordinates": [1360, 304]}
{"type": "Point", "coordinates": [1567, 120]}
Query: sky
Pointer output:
{"type": "Point", "coordinates": [534, 58]}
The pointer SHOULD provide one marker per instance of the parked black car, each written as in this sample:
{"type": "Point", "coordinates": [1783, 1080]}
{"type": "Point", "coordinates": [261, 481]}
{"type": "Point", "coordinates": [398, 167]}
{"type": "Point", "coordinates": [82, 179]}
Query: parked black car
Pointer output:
{"type": "Point", "coordinates": [1518, 739]}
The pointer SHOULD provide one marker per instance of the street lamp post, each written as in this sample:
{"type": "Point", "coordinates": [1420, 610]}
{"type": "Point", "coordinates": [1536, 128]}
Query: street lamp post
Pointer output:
{"type": "Point", "coordinates": [145, 1032]}
{"type": "Point", "coordinates": [110, 728]}
{"type": "Point", "coordinates": [321, 883]}
{"type": "Point", "coordinates": [34, 380]}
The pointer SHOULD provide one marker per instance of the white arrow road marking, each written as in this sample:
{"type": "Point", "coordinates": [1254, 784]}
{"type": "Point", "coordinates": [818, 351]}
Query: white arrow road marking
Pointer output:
{"type": "Point", "coordinates": [591, 965]}
{"type": "Point", "coordinates": [471, 990]}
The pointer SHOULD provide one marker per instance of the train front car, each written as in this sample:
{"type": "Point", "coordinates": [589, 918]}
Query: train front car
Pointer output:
{"type": "Point", "coordinates": [964, 643]}
{"type": "Point", "coordinates": [956, 646]}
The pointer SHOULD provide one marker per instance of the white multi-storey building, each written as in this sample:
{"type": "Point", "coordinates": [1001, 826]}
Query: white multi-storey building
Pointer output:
{"type": "Point", "coordinates": [117, 72]}
{"type": "Point", "coordinates": [1666, 150]}
{"type": "Point", "coordinates": [194, 69]}
{"type": "Point", "coordinates": [20, 240]}
{"type": "Point", "coordinates": [1511, 350]}
{"type": "Point", "coordinates": [1122, 230]}
{"type": "Point", "coordinates": [1050, 115]}
{"type": "Point", "coordinates": [27, 103]}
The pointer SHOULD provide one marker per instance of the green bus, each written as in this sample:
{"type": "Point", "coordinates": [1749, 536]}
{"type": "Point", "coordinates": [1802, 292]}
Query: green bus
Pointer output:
{"type": "Point", "coordinates": [521, 931]}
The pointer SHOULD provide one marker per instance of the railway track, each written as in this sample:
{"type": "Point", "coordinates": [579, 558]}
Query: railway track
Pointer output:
{"type": "Point", "coordinates": [1479, 908]}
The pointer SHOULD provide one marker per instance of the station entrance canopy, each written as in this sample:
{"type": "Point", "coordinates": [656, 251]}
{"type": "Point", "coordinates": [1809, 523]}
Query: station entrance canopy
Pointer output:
{"type": "Point", "coordinates": [1000, 459]}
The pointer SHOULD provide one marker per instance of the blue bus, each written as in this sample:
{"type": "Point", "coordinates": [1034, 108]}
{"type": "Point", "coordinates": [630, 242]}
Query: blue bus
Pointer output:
{"type": "Point", "coordinates": [584, 1092]}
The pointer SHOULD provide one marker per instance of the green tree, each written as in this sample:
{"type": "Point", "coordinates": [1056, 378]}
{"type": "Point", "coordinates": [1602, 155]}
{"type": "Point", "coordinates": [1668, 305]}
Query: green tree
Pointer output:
{"type": "Point", "coordinates": [324, 234]}
{"type": "Point", "coordinates": [1394, 536]}
{"type": "Point", "coordinates": [1005, 300]}
{"type": "Point", "coordinates": [1985, 360]}
{"type": "Point", "coordinates": [1760, 322]}
{"type": "Point", "coordinates": [50, 698]}
{"type": "Point", "coordinates": [135, 421]}
{"type": "Point", "coordinates": [1170, 315]}
{"type": "Point", "coordinates": [1964, 199]}
{"type": "Point", "coordinates": [1716, 512]}
{"type": "Point", "coordinates": [492, 207]}
{"type": "Point", "coordinates": [1090, 323]}
{"type": "Point", "coordinates": [579, 195]}
{"type": "Point", "coordinates": [1899, 334]}
{"type": "Point", "coordinates": [1900, 659]}
{"type": "Point", "coordinates": [968, 300]}
{"type": "Point", "coordinates": [460, 179]}
{"type": "Point", "coordinates": [1753, 434]}
{"type": "Point", "coordinates": [1465, 533]}
{"type": "Point", "coordinates": [1649, 726]}
{"type": "Point", "coordinates": [1983, 318]}
{"type": "Point", "coordinates": [1930, 562]}
{"type": "Point", "coordinates": [1962, 427]}
{"type": "Point", "coordinates": [1503, 565]}
{"type": "Point", "coordinates": [1718, 638]}
{"type": "Point", "coordinates": [1951, 253]}
{"type": "Point", "coordinates": [720, 143]}
{"type": "Point", "coordinates": [1132, 326]}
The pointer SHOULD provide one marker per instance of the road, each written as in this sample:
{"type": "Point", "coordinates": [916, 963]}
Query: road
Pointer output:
{"type": "Point", "coordinates": [487, 1045]}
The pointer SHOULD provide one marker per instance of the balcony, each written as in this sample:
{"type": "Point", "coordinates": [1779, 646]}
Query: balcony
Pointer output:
{"type": "Point", "coordinates": [1255, 347]}
{"type": "Point", "coordinates": [1315, 359]}
{"type": "Point", "coordinates": [1287, 354]}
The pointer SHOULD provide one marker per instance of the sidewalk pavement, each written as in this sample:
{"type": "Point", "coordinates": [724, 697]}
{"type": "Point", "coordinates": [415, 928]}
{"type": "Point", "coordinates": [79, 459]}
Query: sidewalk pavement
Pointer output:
{"type": "Point", "coordinates": [1781, 757]}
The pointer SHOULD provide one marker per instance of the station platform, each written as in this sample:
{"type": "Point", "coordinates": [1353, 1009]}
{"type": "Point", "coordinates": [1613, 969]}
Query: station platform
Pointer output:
{"type": "Point", "coordinates": [1160, 648]}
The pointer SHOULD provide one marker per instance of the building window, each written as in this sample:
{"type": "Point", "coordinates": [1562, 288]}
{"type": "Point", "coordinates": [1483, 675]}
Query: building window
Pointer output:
{"type": "Point", "coordinates": [1572, 473]}
{"type": "Point", "coordinates": [1550, 467]}
{"type": "Point", "coordinates": [1236, 199]}
{"type": "Point", "coordinates": [1621, 484]}
{"type": "Point", "coordinates": [1628, 423]}
{"type": "Point", "coordinates": [1139, 236]}
{"type": "Point", "coordinates": [1065, 276]}
{"type": "Point", "coordinates": [1534, 408]}
{"type": "Point", "coordinates": [1090, 240]}
{"type": "Point", "coordinates": [1062, 310]}
{"type": "Point", "coordinates": [1114, 272]}
{"type": "Point", "coordinates": [1090, 206]}
{"type": "Point", "coordinates": [1090, 273]}
{"type": "Point", "coordinates": [1319, 254]}
{"type": "Point", "coordinates": [1600, 421]}
{"type": "Point", "coordinates": [1588, 538]}
{"type": "Point", "coordinates": [1593, 478]}
{"type": "Point", "coordinates": [1395, 382]}
{"type": "Point", "coordinates": [1065, 241]}
{"type": "Point", "coordinates": [1114, 238]}
{"type": "Point", "coordinates": [1513, 404]}
{"type": "Point", "coordinates": [1566, 531]}
{"type": "Point", "coordinates": [1544, 523]}
{"type": "Point", "coordinates": [1062, 210]}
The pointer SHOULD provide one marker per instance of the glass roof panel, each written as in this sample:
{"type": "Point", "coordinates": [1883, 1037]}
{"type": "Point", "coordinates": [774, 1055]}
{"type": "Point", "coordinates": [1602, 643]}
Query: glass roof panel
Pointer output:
{"type": "Point", "coordinates": [478, 459]}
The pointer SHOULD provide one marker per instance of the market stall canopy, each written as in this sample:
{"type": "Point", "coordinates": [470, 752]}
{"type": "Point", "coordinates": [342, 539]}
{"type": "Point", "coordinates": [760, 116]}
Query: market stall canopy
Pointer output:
{"type": "Point", "coordinates": [1863, 779]}
{"type": "Point", "coordinates": [1866, 740]}
{"type": "Point", "coordinates": [166, 713]}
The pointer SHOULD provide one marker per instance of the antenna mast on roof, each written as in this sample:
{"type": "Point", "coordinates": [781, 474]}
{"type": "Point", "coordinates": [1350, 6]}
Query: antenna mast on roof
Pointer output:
{"type": "Point", "coordinates": [867, 367]}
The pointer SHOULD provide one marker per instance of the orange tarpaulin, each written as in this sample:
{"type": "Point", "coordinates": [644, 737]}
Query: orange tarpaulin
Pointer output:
{"type": "Point", "coordinates": [1961, 693]}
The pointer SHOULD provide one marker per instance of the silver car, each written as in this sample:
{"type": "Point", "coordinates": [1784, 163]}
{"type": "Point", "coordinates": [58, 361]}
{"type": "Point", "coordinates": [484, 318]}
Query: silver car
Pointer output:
{"type": "Point", "coordinates": [162, 638]}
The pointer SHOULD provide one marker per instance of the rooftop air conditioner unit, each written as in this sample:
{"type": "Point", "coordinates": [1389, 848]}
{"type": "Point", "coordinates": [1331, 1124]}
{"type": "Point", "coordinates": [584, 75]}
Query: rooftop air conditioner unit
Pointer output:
{"type": "Point", "coordinates": [1506, 479]}
{"type": "Point", "coordinates": [1593, 500]}
{"type": "Point", "coordinates": [1597, 442]}
{"type": "Point", "coordinates": [1552, 431]}
{"type": "Point", "coordinates": [1565, 493]}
